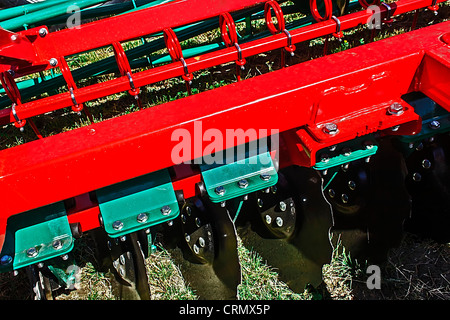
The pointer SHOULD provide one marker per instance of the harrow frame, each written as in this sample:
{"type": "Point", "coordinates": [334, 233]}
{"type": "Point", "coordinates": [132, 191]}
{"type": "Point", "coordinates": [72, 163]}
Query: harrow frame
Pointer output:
{"type": "Point", "coordinates": [354, 91]}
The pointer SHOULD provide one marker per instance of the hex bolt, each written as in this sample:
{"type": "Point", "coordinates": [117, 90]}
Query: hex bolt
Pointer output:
{"type": "Point", "coordinates": [117, 225]}
{"type": "Point", "coordinates": [57, 244]}
{"type": "Point", "coordinates": [201, 242]}
{"type": "Point", "coordinates": [42, 32]}
{"type": "Point", "coordinates": [32, 252]}
{"type": "Point", "coordinates": [265, 177]}
{"type": "Point", "coordinates": [368, 145]}
{"type": "Point", "coordinates": [187, 237]}
{"type": "Point", "coordinates": [347, 152]}
{"type": "Point", "coordinates": [324, 158]}
{"type": "Point", "coordinates": [243, 183]}
{"type": "Point", "coordinates": [282, 205]}
{"type": "Point", "coordinates": [344, 198]}
{"type": "Point", "coordinates": [198, 223]}
{"type": "Point", "coordinates": [330, 128]}
{"type": "Point", "coordinates": [417, 176]}
{"type": "Point", "coordinates": [165, 210]}
{"type": "Point", "coordinates": [279, 221]}
{"type": "Point", "coordinates": [331, 193]}
{"type": "Point", "coordinates": [351, 185]}
{"type": "Point", "coordinates": [223, 204]}
{"type": "Point", "coordinates": [426, 164]}
{"type": "Point", "coordinates": [435, 125]}
{"type": "Point", "coordinates": [6, 259]}
{"type": "Point", "coordinates": [53, 62]}
{"type": "Point", "coordinates": [260, 202]}
{"type": "Point", "coordinates": [268, 219]}
{"type": "Point", "coordinates": [395, 109]}
{"type": "Point", "coordinates": [142, 217]}
{"type": "Point", "coordinates": [220, 190]}
{"type": "Point", "coordinates": [65, 257]}
{"type": "Point", "coordinates": [196, 248]}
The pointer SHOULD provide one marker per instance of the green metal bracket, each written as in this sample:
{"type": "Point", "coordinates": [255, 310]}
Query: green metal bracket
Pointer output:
{"type": "Point", "coordinates": [35, 236]}
{"type": "Point", "coordinates": [435, 120]}
{"type": "Point", "coordinates": [224, 182]}
{"type": "Point", "coordinates": [138, 203]}
{"type": "Point", "coordinates": [356, 149]}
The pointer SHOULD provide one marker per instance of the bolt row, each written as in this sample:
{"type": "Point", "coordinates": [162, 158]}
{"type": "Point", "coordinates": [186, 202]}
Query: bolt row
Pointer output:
{"type": "Point", "coordinates": [243, 184]}
{"type": "Point", "coordinates": [141, 218]}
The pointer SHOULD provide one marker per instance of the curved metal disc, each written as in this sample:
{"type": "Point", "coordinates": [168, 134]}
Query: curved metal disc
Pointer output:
{"type": "Point", "coordinates": [299, 251]}
{"type": "Point", "coordinates": [369, 218]}
{"type": "Point", "coordinates": [207, 253]}
{"type": "Point", "coordinates": [125, 259]}
{"type": "Point", "coordinates": [428, 183]}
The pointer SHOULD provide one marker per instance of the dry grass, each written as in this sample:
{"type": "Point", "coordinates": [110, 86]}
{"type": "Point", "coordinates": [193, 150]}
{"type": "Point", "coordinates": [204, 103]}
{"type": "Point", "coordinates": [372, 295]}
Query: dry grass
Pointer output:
{"type": "Point", "coordinates": [416, 270]}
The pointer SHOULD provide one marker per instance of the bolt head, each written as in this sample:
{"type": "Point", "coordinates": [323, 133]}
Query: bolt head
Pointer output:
{"type": "Point", "coordinates": [282, 205]}
{"type": "Point", "coordinates": [201, 242]}
{"type": "Point", "coordinates": [142, 217]}
{"type": "Point", "coordinates": [53, 62]}
{"type": "Point", "coordinates": [243, 183]}
{"type": "Point", "coordinates": [344, 198]}
{"type": "Point", "coordinates": [57, 244]}
{"type": "Point", "coordinates": [435, 124]}
{"type": "Point", "coordinates": [351, 185]}
{"type": "Point", "coordinates": [165, 210]}
{"type": "Point", "coordinates": [395, 109]}
{"type": "Point", "coordinates": [42, 32]}
{"type": "Point", "coordinates": [265, 177]}
{"type": "Point", "coordinates": [279, 221]}
{"type": "Point", "coordinates": [330, 128]}
{"type": "Point", "coordinates": [196, 249]}
{"type": "Point", "coordinates": [426, 164]}
{"type": "Point", "coordinates": [117, 225]}
{"type": "Point", "coordinates": [32, 252]}
{"type": "Point", "coordinates": [268, 219]}
{"type": "Point", "coordinates": [417, 176]}
{"type": "Point", "coordinates": [6, 259]}
{"type": "Point", "coordinates": [220, 190]}
{"type": "Point", "coordinates": [331, 193]}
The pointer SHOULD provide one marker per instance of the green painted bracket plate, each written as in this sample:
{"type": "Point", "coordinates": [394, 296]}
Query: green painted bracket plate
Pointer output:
{"type": "Point", "coordinates": [223, 182]}
{"type": "Point", "coordinates": [138, 203]}
{"type": "Point", "coordinates": [358, 148]}
{"type": "Point", "coordinates": [35, 236]}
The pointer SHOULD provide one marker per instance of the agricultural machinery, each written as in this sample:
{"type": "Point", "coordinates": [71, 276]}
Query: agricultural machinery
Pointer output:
{"type": "Point", "coordinates": [340, 146]}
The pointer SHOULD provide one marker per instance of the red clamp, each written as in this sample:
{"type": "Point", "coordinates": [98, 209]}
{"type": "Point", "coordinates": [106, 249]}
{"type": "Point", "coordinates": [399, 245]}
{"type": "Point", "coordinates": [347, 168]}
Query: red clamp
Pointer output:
{"type": "Point", "coordinates": [229, 36]}
{"type": "Point", "coordinates": [327, 16]}
{"type": "Point", "coordinates": [12, 91]}
{"type": "Point", "coordinates": [280, 26]}
{"type": "Point", "coordinates": [124, 67]}
{"type": "Point", "coordinates": [174, 48]}
{"type": "Point", "coordinates": [67, 74]}
{"type": "Point", "coordinates": [434, 7]}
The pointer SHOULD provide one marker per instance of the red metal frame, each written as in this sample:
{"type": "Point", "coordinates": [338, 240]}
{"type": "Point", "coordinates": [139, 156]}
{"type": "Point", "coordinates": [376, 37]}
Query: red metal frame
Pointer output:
{"type": "Point", "coordinates": [299, 99]}
{"type": "Point", "coordinates": [296, 101]}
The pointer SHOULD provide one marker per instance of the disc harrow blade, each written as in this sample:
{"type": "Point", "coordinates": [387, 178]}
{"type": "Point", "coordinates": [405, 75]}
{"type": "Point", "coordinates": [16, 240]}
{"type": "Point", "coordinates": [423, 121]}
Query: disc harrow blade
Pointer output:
{"type": "Point", "coordinates": [206, 249]}
{"type": "Point", "coordinates": [370, 203]}
{"type": "Point", "coordinates": [427, 182]}
{"type": "Point", "coordinates": [291, 227]}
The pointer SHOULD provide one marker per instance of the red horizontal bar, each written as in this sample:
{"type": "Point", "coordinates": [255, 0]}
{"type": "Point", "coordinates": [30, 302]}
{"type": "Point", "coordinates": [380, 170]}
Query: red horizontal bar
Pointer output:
{"type": "Point", "coordinates": [154, 75]}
